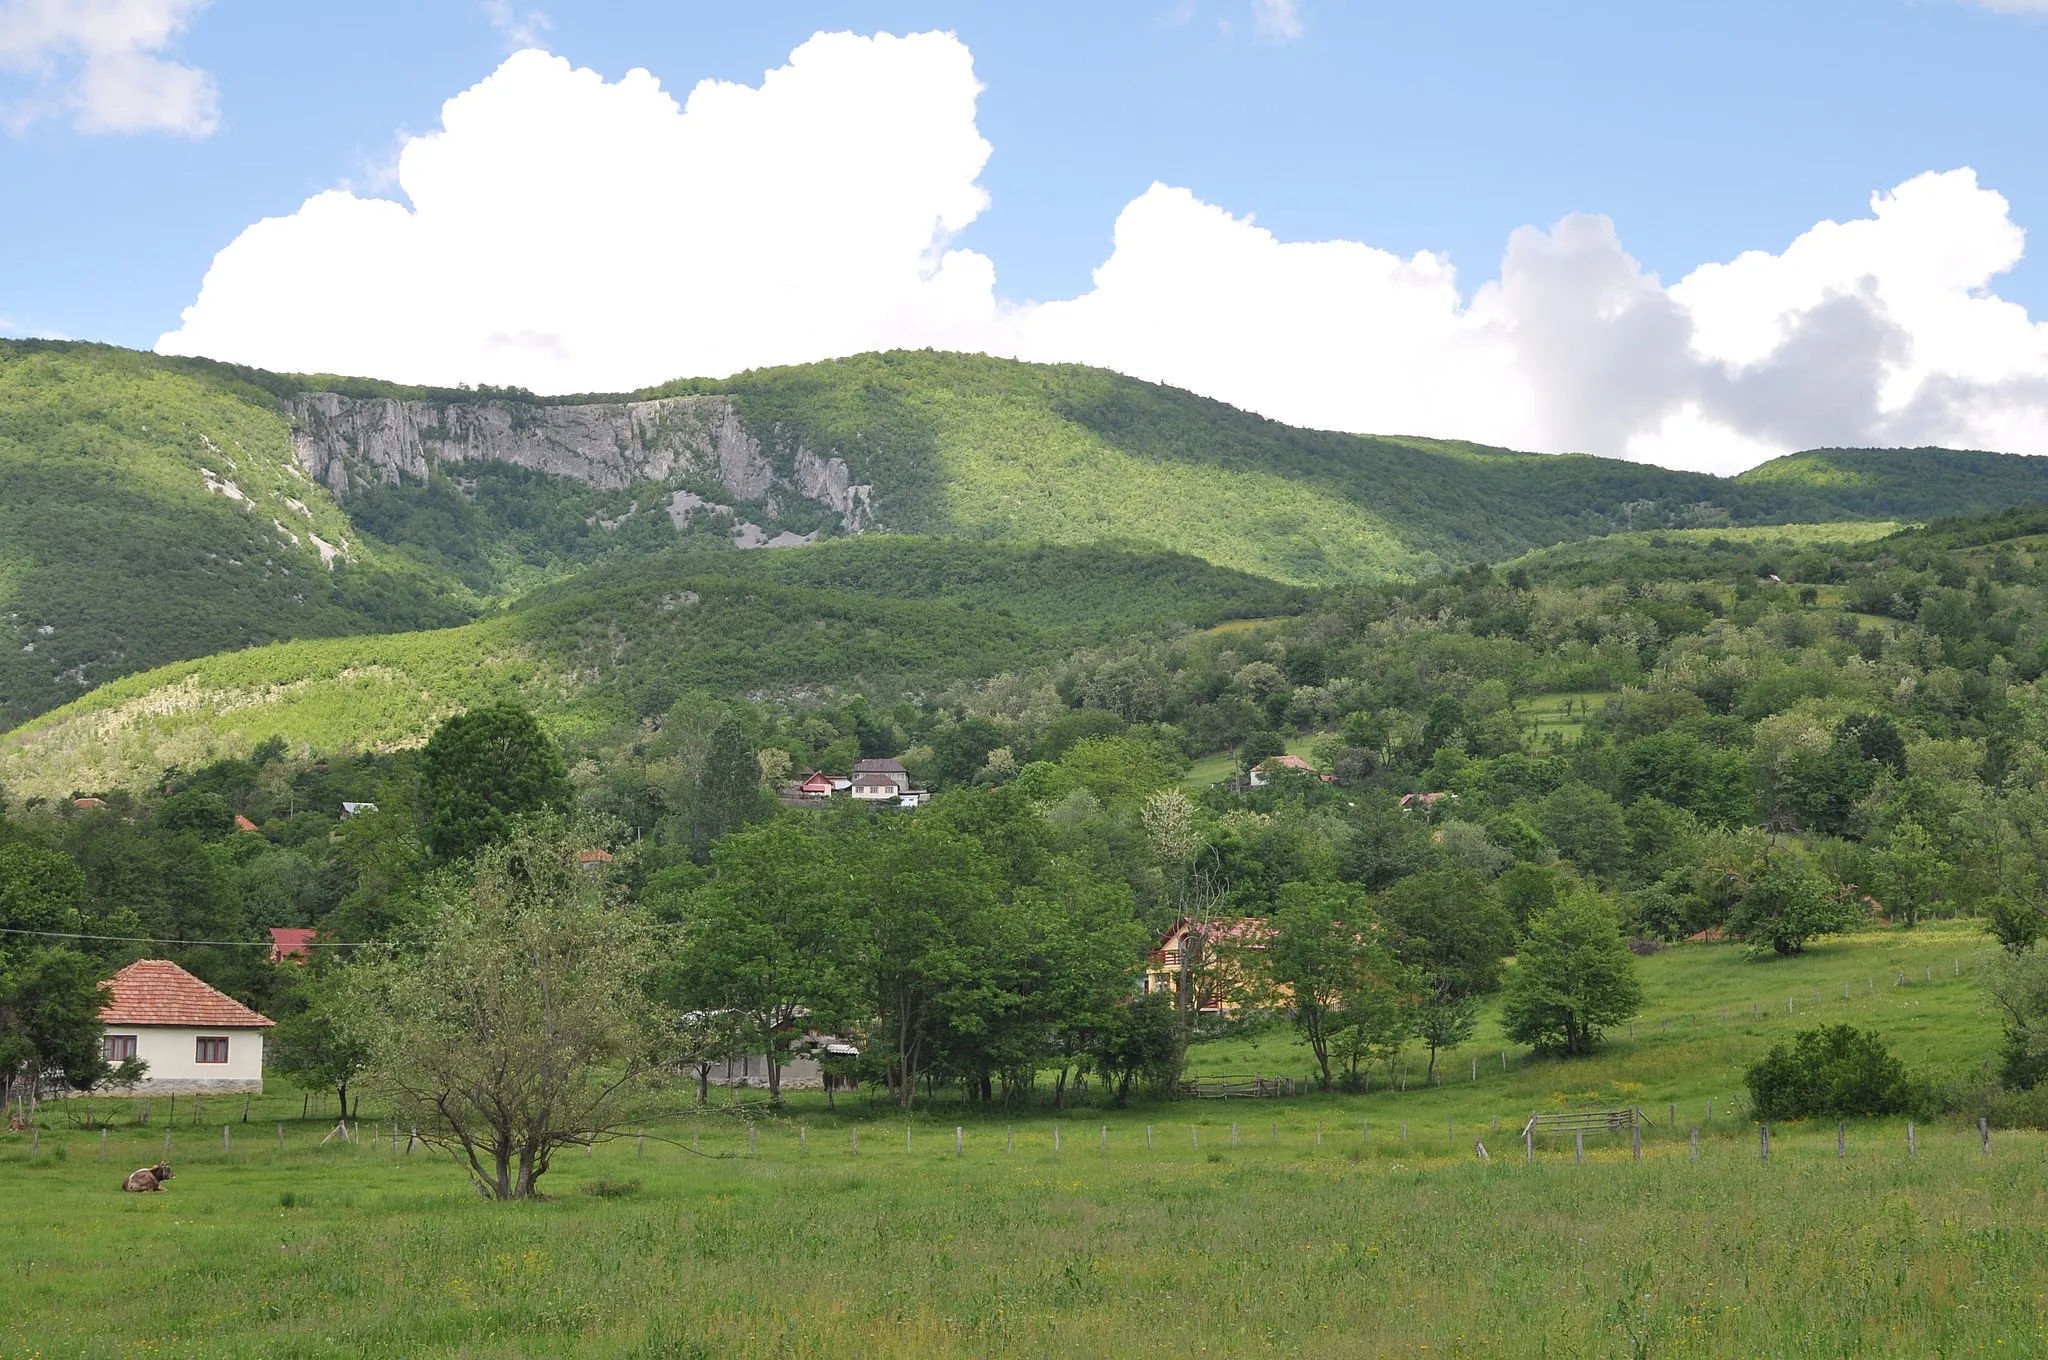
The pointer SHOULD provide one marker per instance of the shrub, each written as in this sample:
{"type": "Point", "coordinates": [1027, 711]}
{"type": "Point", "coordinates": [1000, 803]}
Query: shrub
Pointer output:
{"type": "Point", "coordinates": [1836, 1070]}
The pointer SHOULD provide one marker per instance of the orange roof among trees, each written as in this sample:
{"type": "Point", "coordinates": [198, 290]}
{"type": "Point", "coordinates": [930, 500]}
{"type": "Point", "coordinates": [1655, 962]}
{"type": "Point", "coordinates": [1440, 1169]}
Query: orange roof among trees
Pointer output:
{"type": "Point", "coordinates": [159, 992]}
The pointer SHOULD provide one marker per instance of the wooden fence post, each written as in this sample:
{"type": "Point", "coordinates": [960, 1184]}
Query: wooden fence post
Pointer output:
{"type": "Point", "coordinates": [1984, 1136]}
{"type": "Point", "coordinates": [959, 1142]}
{"type": "Point", "coordinates": [1055, 1138]}
{"type": "Point", "coordinates": [412, 1139]}
{"type": "Point", "coordinates": [1056, 1134]}
{"type": "Point", "coordinates": [1912, 1143]}
{"type": "Point", "coordinates": [750, 1141]}
{"type": "Point", "coordinates": [1404, 1130]}
{"type": "Point", "coordinates": [1764, 1140]}
{"type": "Point", "coordinates": [1148, 1138]}
{"type": "Point", "coordinates": [1010, 1138]}
{"type": "Point", "coordinates": [1579, 1146]}
{"type": "Point", "coordinates": [856, 1140]}
{"type": "Point", "coordinates": [1635, 1140]}
{"type": "Point", "coordinates": [1695, 1144]}
{"type": "Point", "coordinates": [280, 1136]}
{"type": "Point", "coordinates": [225, 1146]}
{"type": "Point", "coordinates": [1233, 1134]}
{"type": "Point", "coordinates": [1105, 1136]}
{"type": "Point", "coordinates": [1475, 1069]}
{"type": "Point", "coordinates": [1529, 1143]}
{"type": "Point", "coordinates": [1841, 1140]}
{"type": "Point", "coordinates": [1195, 1132]}
{"type": "Point", "coordinates": [103, 1142]}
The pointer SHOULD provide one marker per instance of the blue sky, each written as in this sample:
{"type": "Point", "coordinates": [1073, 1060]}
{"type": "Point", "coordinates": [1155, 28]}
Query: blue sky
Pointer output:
{"type": "Point", "coordinates": [1701, 131]}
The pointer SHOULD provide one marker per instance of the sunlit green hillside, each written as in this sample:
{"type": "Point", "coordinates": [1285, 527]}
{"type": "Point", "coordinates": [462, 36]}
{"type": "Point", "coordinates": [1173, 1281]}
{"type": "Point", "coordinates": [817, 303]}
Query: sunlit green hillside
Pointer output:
{"type": "Point", "coordinates": [901, 614]}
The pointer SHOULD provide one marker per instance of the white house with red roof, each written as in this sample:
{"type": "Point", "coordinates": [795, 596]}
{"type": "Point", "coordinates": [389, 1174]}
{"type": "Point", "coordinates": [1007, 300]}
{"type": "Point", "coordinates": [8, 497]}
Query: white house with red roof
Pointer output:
{"type": "Point", "coordinates": [193, 1037]}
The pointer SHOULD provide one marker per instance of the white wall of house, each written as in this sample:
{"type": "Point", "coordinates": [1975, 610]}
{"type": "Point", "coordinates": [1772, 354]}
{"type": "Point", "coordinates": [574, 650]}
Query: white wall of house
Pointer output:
{"type": "Point", "coordinates": [174, 1067]}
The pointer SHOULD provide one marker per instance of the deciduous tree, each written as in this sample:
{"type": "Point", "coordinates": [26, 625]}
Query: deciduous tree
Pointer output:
{"type": "Point", "coordinates": [1573, 978]}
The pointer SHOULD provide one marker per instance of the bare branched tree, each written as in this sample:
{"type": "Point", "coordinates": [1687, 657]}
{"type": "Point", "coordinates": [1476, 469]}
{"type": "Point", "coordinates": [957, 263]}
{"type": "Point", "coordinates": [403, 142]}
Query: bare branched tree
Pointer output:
{"type": "Point", "coordinates": [519, 1026]}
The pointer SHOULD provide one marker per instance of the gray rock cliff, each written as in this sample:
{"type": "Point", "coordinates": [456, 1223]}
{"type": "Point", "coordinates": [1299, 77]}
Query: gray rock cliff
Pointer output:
{"type": "Point", "coordinates": [343, 440]}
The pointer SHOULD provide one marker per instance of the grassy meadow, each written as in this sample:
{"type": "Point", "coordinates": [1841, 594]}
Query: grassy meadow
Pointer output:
{"type": "Point", "coordinates": [1342, 1225]}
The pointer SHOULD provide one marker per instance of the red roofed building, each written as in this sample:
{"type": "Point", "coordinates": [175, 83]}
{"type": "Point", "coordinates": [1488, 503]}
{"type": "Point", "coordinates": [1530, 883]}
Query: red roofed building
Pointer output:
{"type": "Point", "coordinates": [192, 1037]}
{"type": "Point", "coordinates": [244, 825]}
{"type": "Point", "coordinates": [291, 942]}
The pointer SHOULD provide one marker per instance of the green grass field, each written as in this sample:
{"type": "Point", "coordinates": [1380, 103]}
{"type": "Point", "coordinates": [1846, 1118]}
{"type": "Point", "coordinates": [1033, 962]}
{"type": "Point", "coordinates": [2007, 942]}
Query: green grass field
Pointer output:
{"type": "Point", "coordinates": [1311, 1233]}
{"type": "Point", "coordinates": [1545, 714]}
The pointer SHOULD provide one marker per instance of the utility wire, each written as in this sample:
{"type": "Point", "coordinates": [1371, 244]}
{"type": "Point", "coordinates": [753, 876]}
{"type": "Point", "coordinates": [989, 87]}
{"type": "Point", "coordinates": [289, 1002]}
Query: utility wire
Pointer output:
{"type": "Point", "coordinates": [158, 939]}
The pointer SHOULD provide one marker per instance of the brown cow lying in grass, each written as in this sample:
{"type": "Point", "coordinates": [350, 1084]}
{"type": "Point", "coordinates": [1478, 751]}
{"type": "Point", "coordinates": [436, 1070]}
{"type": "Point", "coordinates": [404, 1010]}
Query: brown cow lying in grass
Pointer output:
{"type": "Point", "coordinates": [147, 1179]}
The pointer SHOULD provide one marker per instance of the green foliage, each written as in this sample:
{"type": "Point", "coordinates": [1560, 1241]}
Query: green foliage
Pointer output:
{"type": "Point", "coordinates": [50, 1018]}
{"type": "Point", "coordinates": [1573, 978]}
{"type": "Point", "coordinates": [519, 1026]}
{"type": "Point", "coordinates": [1321, 952]}
{"type": "Point", "coordinates": [1832, 1071]}
{"type": "Point", "coordinates": [770, 939]}
{"type": "Point", "coordinates": [116, 553]}
{"type": "Point", "coordinates": [482, 770]}
{"type": "Point", "coordinates": [324, 1039]}
{"type": "Point", "coordinates": [1789, 904]}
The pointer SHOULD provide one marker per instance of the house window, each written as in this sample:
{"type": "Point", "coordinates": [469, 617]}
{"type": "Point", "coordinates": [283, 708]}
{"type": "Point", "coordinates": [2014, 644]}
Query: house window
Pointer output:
{"type": "Point", "coordinates": [213, 1051]}
{"type": "Point", "coordinates": [120, 1047]}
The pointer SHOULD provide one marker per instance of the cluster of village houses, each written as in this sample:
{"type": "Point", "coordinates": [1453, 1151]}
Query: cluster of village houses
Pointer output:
{"type": "Point", "coordinates": [194, 1038]}
{"type": "Point", "coordinates": [872, 781]}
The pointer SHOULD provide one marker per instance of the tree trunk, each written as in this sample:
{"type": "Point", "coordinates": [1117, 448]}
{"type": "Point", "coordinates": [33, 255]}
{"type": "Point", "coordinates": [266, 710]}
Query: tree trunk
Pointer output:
{"type": "Point", "coordinates": [703, 1084]}
{"type": "Point", "coordinates": [774, 1077]}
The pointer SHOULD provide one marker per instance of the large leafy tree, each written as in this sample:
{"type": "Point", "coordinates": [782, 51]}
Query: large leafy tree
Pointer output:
{"type": "Point", "coordinates": [520, 1024]}
{"type": "Point", "coordinates": [481, 770]}
{"type": "Point", "coordinates": [50, 1019]}
{"type": "Point", "coordinates": [325, 1037]}
{"type": "Point", "coordinates": [1788, 904]}
{"type": "Point", "coordinates": [770, 939]}
{"type": "Point", "coordinates": [933, 924]}
{"type": "Point", "coordinates": [1321, 953]}
{"type": "Point", "coordinates": [1450, 924]}
{"type": "Point", "coordinates": [1573, 978]}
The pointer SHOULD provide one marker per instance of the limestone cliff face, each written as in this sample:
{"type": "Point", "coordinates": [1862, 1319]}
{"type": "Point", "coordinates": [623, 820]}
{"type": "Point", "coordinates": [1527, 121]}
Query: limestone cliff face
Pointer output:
{"type": "Point", "coordinates": [342, 440]}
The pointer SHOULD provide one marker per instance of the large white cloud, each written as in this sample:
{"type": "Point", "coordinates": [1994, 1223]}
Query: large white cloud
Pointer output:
{"type": "Point", "coordinates": [568, 233]}
{"type": "Point", "coordinates": [100, 60]}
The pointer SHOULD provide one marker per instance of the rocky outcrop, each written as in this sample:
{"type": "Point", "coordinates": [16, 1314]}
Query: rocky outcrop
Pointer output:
{"type": "Point", "coordinates": [344, 440]}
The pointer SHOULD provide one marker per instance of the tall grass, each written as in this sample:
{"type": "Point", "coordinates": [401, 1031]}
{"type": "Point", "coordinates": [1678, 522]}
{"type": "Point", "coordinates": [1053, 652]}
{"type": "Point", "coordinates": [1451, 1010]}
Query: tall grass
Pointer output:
{"type": "Point", "coordinates": [1342, 1226]}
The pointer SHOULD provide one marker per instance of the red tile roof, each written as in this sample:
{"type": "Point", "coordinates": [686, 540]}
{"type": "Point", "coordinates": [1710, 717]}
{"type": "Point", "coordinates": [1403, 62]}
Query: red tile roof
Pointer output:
{"type": "Point", "coordinates": [291, 942]}
{"type": "Point", "coordinates": [159, 992]}
{"type": "Point", "coordinates": [244, 824]}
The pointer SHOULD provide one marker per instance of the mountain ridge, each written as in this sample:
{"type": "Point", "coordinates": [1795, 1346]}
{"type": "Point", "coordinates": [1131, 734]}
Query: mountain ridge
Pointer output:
{"type": "Point", "coordinates": [154, 509]}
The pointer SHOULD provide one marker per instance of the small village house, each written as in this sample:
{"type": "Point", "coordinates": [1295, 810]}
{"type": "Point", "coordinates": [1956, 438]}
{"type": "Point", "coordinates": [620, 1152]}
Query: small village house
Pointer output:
{"type": "Point", "coordinates": [1225, 980]}
{"type": "Point", "coordinates": [1264, 772]}
{"type": "Point", "coordinates": [878, 779]}
{"type": "Point", "coordinates": [293, 944]}
{"type": "Point", "coordinates": [817, 784]}
{"type": "Point", "coordinates": [193, 1038]}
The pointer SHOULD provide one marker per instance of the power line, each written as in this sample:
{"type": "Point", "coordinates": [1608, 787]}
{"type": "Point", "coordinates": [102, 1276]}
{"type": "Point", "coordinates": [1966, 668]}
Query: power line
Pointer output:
{"type": "Point", "coordinates": [158, 939]}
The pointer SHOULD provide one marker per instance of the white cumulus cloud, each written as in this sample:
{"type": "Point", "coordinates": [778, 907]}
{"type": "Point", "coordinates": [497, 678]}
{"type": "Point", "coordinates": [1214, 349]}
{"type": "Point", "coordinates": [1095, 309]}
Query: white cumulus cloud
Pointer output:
{"type": "Point", "coordinates": [1276, 20]}
{"type": "Point", "coordinates": [566, 233]}
{"type": "Point", "coordinates": [101, 61]}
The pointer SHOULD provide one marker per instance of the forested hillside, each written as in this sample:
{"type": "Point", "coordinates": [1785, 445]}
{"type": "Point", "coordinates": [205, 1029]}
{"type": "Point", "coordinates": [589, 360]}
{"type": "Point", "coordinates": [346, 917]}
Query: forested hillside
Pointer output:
{"type": "Point", "coordinates": [147, 514]}
{"type": "Point", "coordinates": [1761, 733]}
{"type": "Point", "coordinates": [883, 617]}
{"type": "Point", "coordinates": [154, 509]}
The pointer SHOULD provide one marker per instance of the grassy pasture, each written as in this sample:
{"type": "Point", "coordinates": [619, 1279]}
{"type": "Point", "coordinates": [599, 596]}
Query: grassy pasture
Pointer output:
{"type": "Point", "coordinates": [1545, 713]}
{"type": "Point", "coordinates": [1310, 1233]}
